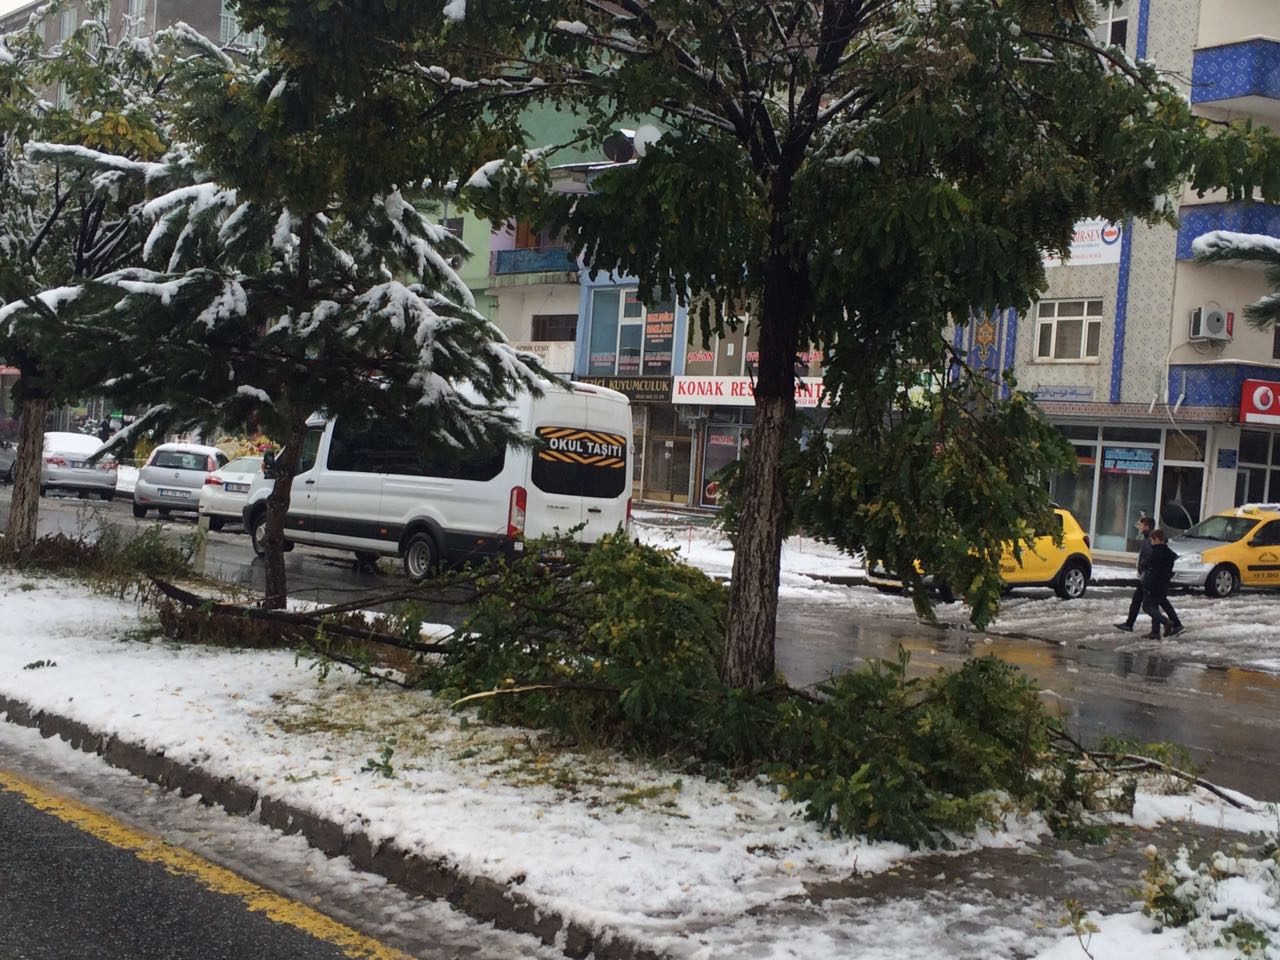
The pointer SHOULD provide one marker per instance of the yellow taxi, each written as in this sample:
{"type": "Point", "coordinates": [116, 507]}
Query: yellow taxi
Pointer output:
{"type": "Point", "coordinates": [1065, 568]}
{"type": "Point", "coordinates": [1235, 548]}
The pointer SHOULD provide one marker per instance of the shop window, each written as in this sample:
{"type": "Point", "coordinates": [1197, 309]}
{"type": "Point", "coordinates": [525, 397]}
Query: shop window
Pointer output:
{"type": "Point", "coordinates": [1254, 446]}
{"type": "Point", "coordinates": [1126, 493]}
{"type": "Point", "coordinates": [1185, 445]}
{"type": "Point", "coordinates": [628, 339]}
{"type": "Point", "coordinates": [1181, 493]}
{"type": "Point", "coordinates": [1078, 432]}
{"type": "Point", "coordinates": [1132, 434]}
{"type": "Point", "coordinates": [1112, 29]}
{"type": "Point", "coordinates": [1275, 344]}
{"type": "Point", "coordinates": [1074, 491]}
{"type": "Point", "coordinates": [1259, 460]}
{"type": "Point", "coordinates": [604, 332]}
{"type": "Point", "coordinates": [555, 326]}
{"type": "Point", "coordinates": [1068, 329]}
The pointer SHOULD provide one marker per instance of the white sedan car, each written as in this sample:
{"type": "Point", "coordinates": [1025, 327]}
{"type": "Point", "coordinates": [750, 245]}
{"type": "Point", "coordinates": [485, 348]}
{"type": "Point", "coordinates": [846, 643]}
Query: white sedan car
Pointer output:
{"type": "Point", "coordinates": [223, 494]}
{"type": "Point", "coordinates": [65, 466]}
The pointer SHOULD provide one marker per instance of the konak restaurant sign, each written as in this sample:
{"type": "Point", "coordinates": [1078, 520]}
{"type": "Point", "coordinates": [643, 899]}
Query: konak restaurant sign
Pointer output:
{"type": "Point", "coordinates": [736, 391]}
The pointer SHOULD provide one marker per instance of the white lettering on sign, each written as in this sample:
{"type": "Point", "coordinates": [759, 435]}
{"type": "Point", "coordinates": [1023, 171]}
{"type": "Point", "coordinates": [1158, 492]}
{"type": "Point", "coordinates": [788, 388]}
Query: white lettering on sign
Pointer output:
{"type": "Point", "coordinates": [737, 391]}
{"type": "Point", "coordinates": [582, 445]}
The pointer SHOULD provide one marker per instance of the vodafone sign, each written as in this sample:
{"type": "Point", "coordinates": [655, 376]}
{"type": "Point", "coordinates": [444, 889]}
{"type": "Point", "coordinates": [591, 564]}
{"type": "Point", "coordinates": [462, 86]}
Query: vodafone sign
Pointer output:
{"type": "Point", "coordinates": [1260, 402]}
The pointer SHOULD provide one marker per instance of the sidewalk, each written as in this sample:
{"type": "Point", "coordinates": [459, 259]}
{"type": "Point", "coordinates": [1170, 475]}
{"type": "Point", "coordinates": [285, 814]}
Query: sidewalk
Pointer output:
{"type": "Point", "coordinates": [587, 851]}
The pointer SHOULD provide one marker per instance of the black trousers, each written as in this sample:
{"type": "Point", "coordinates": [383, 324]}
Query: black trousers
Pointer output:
{"type": "Point", "coordinates": [1153, 605]}
{"type": "Point", "coordinates": [1138, 603]}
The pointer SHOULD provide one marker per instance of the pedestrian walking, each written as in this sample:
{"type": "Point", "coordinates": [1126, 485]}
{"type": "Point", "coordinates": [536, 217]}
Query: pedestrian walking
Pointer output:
{"type": "Point", "coordinates": [1155, 587]}
{"type": "Point", "coordinates": [1145, 525]}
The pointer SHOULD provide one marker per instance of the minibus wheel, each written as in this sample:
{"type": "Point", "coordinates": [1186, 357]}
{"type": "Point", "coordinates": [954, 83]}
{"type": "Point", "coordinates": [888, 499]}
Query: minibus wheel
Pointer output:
{"type": "Point", "coordinates": [420, 556]}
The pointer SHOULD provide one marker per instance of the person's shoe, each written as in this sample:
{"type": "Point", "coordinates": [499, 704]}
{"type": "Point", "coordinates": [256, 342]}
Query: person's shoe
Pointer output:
{"type": "Point", "coordinates": [1153, 636]}
{"type": "Point", "coordinates": [1174, 630]}
{"type": "Point", "coordinates": [1126, 627]}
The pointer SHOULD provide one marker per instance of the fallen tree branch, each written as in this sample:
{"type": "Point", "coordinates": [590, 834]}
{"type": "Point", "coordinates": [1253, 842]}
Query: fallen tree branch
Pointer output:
{"type": "Point", "coordinates": [1135, 761]}
{"type": "Point", "coordinates": [310, 622]}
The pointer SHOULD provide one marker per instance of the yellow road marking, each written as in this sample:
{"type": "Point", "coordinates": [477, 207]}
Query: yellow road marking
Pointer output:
{"type": "Point", "coordinates": [182, 862]}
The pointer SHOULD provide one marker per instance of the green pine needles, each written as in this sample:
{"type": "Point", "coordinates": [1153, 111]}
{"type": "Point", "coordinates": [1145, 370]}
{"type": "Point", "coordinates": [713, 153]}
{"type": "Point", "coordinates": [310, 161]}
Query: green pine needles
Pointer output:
{"type": "Point", "coordinates": [619, 646]}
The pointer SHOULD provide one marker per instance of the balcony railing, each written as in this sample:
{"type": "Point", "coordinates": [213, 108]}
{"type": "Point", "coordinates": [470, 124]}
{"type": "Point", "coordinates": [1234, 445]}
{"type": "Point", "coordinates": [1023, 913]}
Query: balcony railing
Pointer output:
{"type": "Point", "coordinates": [552, 259]}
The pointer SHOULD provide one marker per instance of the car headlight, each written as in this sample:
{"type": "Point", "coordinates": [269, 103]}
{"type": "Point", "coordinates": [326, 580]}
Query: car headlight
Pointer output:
{"type": "Point", "coordinates": [1190, 560]}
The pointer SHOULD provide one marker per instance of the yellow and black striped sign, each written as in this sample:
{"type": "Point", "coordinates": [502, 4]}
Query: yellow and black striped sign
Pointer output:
{"type": "Point", "coordinates": [590, 448]}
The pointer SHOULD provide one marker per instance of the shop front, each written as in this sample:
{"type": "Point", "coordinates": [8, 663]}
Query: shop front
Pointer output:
{"type": "Point", "coordinates": [721, 408]}
{"type": "Point", "coordinates": [662, 455]}
{"type": "Point", "coordinates": [1129, 472]}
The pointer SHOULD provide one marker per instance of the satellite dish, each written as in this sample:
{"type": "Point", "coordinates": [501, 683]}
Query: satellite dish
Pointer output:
{"type": "Point", "coordinates": [646, 135]}
{"type": "Point", "coordinates": [619, 148]}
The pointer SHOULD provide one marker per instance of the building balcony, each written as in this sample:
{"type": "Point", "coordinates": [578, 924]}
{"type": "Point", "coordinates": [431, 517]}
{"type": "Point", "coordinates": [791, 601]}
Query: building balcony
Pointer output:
{"type": "Point", "coordinates": [1238, 78]}
{"type": "Point", "coordinates": [550, 259]}
{"type": "Point", "coordinates": [1238, 217]}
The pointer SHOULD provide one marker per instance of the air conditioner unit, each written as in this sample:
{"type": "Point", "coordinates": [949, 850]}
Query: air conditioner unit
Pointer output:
{"type": "Point", "coordinates": [1208, 323]}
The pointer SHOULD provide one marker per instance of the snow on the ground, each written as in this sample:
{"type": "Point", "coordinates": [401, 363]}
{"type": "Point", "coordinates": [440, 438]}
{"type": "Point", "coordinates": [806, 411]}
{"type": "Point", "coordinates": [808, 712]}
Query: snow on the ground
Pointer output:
{"type": "Point", "coordinates": [605, 841]}
{"type": "Point", "coordinates": [708, 548]}
{"type": "Point", "coordinates": [1243, 630]}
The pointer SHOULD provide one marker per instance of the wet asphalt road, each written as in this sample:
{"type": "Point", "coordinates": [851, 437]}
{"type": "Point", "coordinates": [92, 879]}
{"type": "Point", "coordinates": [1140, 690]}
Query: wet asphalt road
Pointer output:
{"type": "Point", "coordinates": [70, 896]}
{"type": "Point", "coordinates": [1229, 718]}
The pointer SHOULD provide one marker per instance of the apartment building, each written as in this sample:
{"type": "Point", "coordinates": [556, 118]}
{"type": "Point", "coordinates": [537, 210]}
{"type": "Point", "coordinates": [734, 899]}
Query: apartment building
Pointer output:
{"type": "Point", "coordinates": [1138, 353]}
{"type": "Point", "coordinates": [213, 18]}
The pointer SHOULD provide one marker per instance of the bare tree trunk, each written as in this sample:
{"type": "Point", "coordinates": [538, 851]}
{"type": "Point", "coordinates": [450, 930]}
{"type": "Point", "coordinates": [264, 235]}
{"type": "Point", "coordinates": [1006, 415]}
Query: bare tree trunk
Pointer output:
{"type": "Point", "coordinates": [757, 559]}
{"type": "Point", "coordinates": [25, 507]}
{"type": "Point", "coordinates": [286, 468]}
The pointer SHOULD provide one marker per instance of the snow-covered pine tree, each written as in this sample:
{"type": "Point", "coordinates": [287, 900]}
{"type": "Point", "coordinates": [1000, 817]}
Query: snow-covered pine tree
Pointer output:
{"type": "Point", "coordinates": [60, 223]}
{"type": "Point", "coordinates": [273, 291]}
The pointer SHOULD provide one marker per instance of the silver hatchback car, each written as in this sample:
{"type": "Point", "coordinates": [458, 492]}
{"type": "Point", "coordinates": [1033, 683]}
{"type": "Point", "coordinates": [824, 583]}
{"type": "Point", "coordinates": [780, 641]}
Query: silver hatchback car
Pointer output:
{"type": "Point", "coordinates": [173, 476]}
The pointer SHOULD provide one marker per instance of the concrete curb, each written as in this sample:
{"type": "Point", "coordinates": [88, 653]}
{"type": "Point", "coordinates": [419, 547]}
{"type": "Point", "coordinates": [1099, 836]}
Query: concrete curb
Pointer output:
{"type": "Point", "coordinates": [483, 899]}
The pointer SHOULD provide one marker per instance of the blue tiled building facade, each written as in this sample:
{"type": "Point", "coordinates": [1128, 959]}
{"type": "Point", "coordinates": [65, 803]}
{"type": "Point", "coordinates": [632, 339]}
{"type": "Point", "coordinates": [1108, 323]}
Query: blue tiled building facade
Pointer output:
{"type": "Point", "coordinates": [1149, 395]}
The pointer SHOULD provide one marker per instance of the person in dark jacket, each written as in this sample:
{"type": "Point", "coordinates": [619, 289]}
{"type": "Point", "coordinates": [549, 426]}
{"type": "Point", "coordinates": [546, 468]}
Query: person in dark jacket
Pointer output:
{"type": "Point", "coordinates": [1155, 588]}
{"type": "Point", "coordinates": [1145, 526]}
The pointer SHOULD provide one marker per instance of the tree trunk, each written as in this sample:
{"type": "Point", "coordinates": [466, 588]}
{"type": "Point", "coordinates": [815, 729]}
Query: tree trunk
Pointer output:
{"type": "Point", "coordinates": [24, 508]}
{"type": "Point", "coordinates": [286, 467]}
{"type": "Point", "coordinates": [757, 559]}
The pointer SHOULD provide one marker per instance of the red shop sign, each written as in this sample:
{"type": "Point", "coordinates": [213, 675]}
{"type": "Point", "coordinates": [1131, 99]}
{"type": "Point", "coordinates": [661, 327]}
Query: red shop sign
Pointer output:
{"type": "Point", "coordinates": [1260, 402]}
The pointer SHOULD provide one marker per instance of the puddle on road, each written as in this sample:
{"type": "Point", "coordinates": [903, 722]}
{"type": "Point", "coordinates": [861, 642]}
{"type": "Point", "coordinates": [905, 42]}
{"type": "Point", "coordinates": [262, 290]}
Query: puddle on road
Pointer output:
{"type": "Point", "coordinates": [1228, 717]}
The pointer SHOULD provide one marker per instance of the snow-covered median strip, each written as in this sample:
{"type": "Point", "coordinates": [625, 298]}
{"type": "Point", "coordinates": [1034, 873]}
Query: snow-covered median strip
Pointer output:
{"type": "Point", "coordinates": [611, 844]}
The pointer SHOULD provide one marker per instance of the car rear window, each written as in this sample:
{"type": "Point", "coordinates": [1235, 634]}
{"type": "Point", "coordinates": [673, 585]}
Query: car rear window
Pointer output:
{"type": "Point", "coordinates": [580, 463]}
{"type": "Point", "coordinates": [243, 465]}
{"type": "Point", "coordinates": [177, 460]}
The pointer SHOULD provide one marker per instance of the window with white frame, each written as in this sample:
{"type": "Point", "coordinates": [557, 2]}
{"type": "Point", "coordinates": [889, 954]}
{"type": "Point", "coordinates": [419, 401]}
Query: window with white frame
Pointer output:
{"type": "Point", "coordinates": [67, 22]}
{"type": "Point", "coordinates": [231, 34]}
{"type": "Point", "coordinates": [135, 18]}
{"type": "Point", "coordinates": [1068, 329]}
{"type": "Point", "coordinates": [1113, 23]}
{"type": "Point", "coordinates": [628, 338]}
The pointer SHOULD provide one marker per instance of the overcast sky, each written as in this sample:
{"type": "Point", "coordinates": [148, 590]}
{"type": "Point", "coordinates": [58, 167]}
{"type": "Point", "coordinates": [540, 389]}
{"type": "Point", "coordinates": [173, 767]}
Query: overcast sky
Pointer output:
{"type": "Point", "coordinates": [7, 5]}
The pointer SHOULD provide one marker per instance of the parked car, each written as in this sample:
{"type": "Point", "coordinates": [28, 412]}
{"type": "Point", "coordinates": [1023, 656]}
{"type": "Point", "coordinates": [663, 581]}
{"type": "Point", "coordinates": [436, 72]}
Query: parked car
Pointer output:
{"type": "Point", "coordinates": [173, 476]}
{"type": "Point", "coordinates": [1230, 549]}
{"type": "Point", "coordinates": [225, 490]}
{"type": "Point", "coordinates": [8, 457]}
{"type": "Point", "coordinates": [66, 466]}
{"type": "Point", "coordinates": [378, 492]}
{"type": "Point", "coordinates": [1066, 568]}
